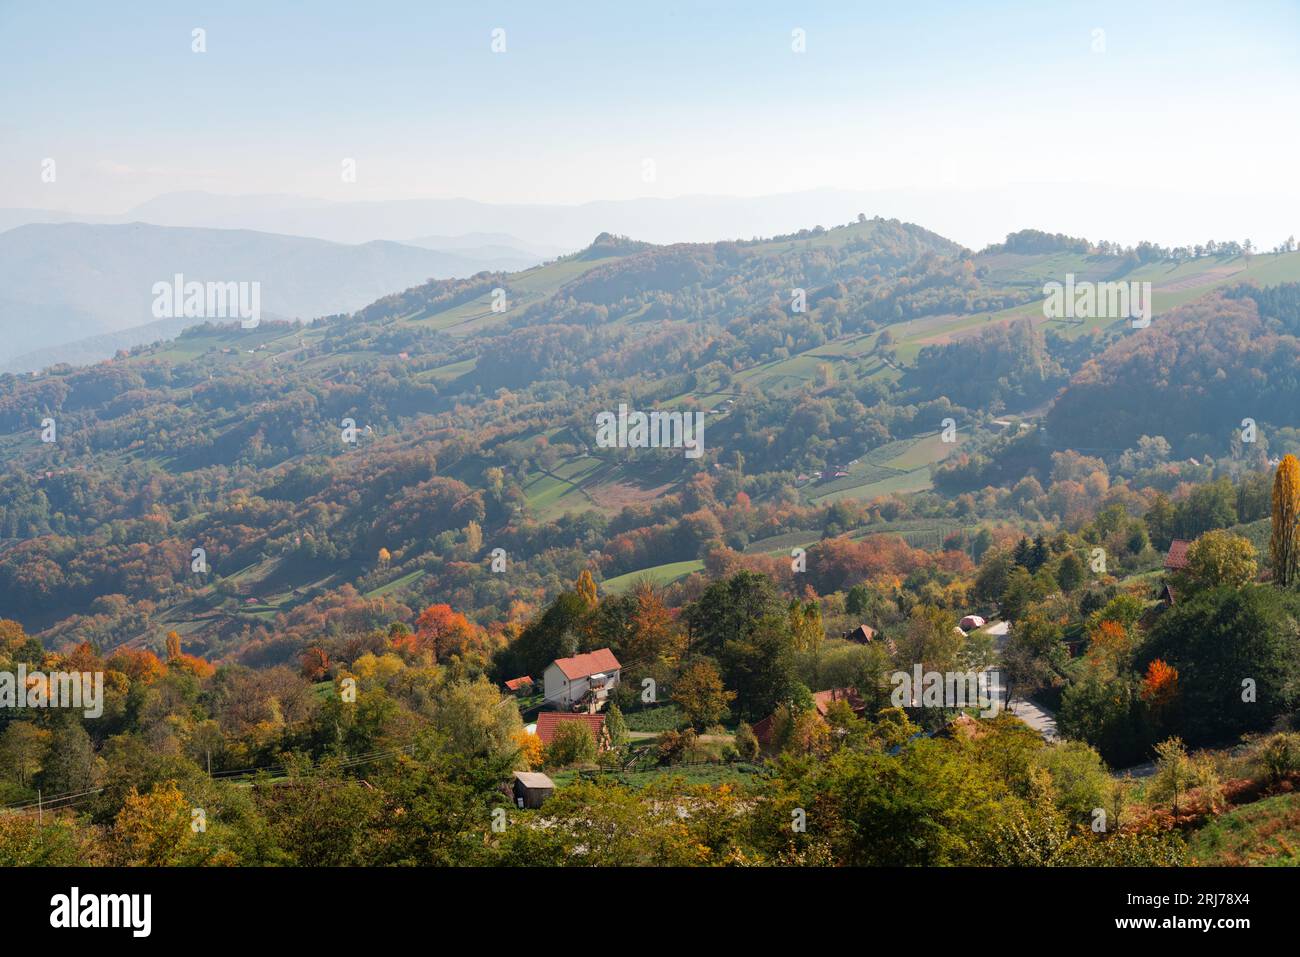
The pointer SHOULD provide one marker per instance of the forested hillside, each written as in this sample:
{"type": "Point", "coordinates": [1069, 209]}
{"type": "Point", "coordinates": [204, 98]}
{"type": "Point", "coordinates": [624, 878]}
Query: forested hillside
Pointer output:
{"type": "Point", "coordinates": [826, 364]}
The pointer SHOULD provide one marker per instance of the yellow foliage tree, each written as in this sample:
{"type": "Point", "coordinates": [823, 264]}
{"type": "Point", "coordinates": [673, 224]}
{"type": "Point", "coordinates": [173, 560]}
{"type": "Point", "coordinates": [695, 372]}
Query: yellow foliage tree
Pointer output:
{"type": "Point", "coordinates": [474, 537]}
{"type": "Point", "coordinates": [385, 556]}
{"type": "Point", "coordinates": [154, 829]}
{"type": "Point", "coordinates": [586, 588]}
{"type": "Point", "coordinates": [1286, 513]}
{"type": "Point", "coordinates": [531, 753]}
{"type": "Point", "coordinates": [173, 646]}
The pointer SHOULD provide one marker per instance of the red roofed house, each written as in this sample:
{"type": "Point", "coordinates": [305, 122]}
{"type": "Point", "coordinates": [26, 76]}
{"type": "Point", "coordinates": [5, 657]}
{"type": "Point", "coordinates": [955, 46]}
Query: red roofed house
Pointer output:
{"type": "Point", "coordinates": [583, 680]}
{"type": "Point", "coordinates": [822, 701]}
{"type": "Point", "coordinates": [519, 685]}
{"type": "Point", "coordinates": [1176, 560]}
{"type": "Point", "coordinates": [549, 721]}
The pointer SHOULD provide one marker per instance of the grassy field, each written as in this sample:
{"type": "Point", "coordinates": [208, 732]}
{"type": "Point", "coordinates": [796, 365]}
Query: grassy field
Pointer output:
{"type": "Point", "coordinates": [660, 574]}
{"type": "Point", "coordinates": [897, 467]}
{"type": "Point", "coordinates": [1265, 833]}
{"type": "Point", "coordinates": [666, 717]}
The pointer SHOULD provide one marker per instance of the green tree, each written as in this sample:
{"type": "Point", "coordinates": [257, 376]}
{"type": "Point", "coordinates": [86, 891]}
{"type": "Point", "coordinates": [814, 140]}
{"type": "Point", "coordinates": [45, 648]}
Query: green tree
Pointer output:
{"type": "Point", "coordinates": [1080, 781]}
{"type": "Point", "coordinates": [615, 726]}
{"type": "Point", "coordinates": [747, 745]}
{"type": "Point", "coordinates": [573, 744]}
{"type": "Point", "coordinates": [23, 748]}
{"type": "Point", "coordinates": [70, 764]}
{"type": "Point", "coordinates": [1071, 573]}
{"type": "Point", "coordinates": [1237, 652]}
{"type": "Point", "coordinates": [760, 667]}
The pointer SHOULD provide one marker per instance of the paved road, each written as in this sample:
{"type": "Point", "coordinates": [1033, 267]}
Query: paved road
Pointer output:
{"type": "Point", "coordinates": [1037, 717]}
{"type": "Point", "coordinates": [1040, 719]}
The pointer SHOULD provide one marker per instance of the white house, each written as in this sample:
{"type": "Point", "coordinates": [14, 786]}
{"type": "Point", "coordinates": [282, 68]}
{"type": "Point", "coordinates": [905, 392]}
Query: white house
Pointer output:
{"type": "Point", "coordinates": [567, 681]}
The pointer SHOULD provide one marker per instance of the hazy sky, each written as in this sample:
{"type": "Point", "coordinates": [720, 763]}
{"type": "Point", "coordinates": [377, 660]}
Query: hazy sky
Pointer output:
{"type": "Point", "coordinates": [1184, 100]}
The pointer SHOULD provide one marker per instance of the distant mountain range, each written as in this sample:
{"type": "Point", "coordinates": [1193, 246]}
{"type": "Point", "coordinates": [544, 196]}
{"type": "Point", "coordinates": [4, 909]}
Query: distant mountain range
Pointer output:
{"type": "Point", "coordinates": [77, 292]}
{"type": "Point", "coordinates": [974, 218]}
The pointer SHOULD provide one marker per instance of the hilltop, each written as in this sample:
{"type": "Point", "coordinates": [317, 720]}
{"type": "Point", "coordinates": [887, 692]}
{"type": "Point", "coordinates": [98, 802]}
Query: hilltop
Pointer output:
{"type": "Point", "coordinates": [825, 364]}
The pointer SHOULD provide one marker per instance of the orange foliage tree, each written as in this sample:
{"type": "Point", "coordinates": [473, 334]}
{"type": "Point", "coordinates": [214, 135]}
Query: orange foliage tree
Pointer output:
{"type": "Point", "coordinates": [315, 663]}
{"type": "Point", "coordinates": [440, 630]}
{"type": "Point", "coordinates": [1160, 686]}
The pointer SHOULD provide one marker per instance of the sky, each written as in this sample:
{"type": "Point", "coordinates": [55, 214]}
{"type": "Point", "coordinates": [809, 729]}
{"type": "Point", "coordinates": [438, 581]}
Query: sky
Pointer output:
{"type": "Point", "coordinates": [1145, 108]}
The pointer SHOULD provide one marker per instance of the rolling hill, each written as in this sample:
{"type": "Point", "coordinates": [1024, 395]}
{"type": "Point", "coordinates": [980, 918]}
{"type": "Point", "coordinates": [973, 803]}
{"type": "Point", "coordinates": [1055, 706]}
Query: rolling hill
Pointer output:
{"type": "Point", "coordinates": [472, 401]}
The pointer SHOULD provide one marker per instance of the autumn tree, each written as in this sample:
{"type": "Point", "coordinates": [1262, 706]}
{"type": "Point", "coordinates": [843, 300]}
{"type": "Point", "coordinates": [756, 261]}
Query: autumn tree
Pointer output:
{"type": "Point", "coordinates": [1160, 686]}
{"type": "Point", "coordinates": [586, 588]}
{"type": "Point", "coordinates": [701, 694]}
{"type": "Point", "coordinates": [1284, 550]}
{"type": "Point", "coordinates": [474, 537]}
{"type": "Point", "coordinates": [1175, 774]}
{"type": "Point", "coordinates": [441, 631]}
{"type": "Point", "coordinates": [315, 663]}
{"type": "Point", "coordinates": [173, 645]}
{"type": "Point", "coordinates": [153, 830]}
{"type": "Point", "coordinates": [1219, 558]}
{"type": "Point", "coordinates": [531, 752]}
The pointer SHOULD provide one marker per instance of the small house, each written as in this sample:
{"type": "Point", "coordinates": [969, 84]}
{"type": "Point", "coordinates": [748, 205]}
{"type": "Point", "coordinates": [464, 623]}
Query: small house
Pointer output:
{"type": "Point", "coordinates": [548, 723]}
{"type": "Point", "coordinates": [520, 686]}
{"type": "Point", "coordinates": [531, 788]}
{"type": "Point", "coordinates": [822, 700]}
{"type": "Point", "coordinates": [971, 623]}
{"type": "Point", "coordinates": [863, 634]}
{"type": "Point", "coordinates": [583, 681]}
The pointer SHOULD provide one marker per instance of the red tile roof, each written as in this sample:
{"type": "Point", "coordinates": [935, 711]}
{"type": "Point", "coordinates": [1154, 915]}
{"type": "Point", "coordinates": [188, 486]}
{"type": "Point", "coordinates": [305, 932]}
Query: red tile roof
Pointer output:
{"type": "Point", "coordinates": [580, 666]}
{"type": "Point", "coordinates": [1176, 560]}
{"type": "Point", "coordinates": [824, 699]}
{"type": "Point", "coordinates": [862, 633]}
{"type": "Point", "coordinates": [549, 721]}
{"type": "Point", "coordinates": [514, 684]}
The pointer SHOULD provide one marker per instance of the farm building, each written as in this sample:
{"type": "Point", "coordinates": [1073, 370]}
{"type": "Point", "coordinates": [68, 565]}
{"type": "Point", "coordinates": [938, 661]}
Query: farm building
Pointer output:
{"type": "Point", "coordinates": [531, 788]}
{"type": "Point", "coordinates": [864, 634]}
{"type": "Point", "coordinates": [548, 722]}
{"type": "Point", "coordinates": [583, 681]}
{"type": "Point", "coordinates": [1176, 560]}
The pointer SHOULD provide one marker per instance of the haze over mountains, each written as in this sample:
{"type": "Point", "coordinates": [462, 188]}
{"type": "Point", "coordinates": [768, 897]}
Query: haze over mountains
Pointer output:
{"type": "Point", "coordinates": [77, 286]}
{"type": "Point", "coordinates": [77, 292]}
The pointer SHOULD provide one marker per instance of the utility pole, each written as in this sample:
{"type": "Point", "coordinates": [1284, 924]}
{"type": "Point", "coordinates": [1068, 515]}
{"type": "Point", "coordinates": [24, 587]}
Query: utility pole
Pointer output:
{"type": "Point", "coordinates": [40, 811]}
{"type": "Point", "coordinates": [209, 751]}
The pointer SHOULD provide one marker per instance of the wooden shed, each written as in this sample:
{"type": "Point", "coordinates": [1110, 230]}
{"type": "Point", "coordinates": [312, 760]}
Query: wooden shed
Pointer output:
{"type": "Point", "coordinates": [531, 788]}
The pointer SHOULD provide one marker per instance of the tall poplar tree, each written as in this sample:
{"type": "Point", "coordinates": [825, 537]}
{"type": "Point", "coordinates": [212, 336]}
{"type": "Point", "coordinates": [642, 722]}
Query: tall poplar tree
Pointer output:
{"type": "Point", "coordinates": [1286, 512]}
